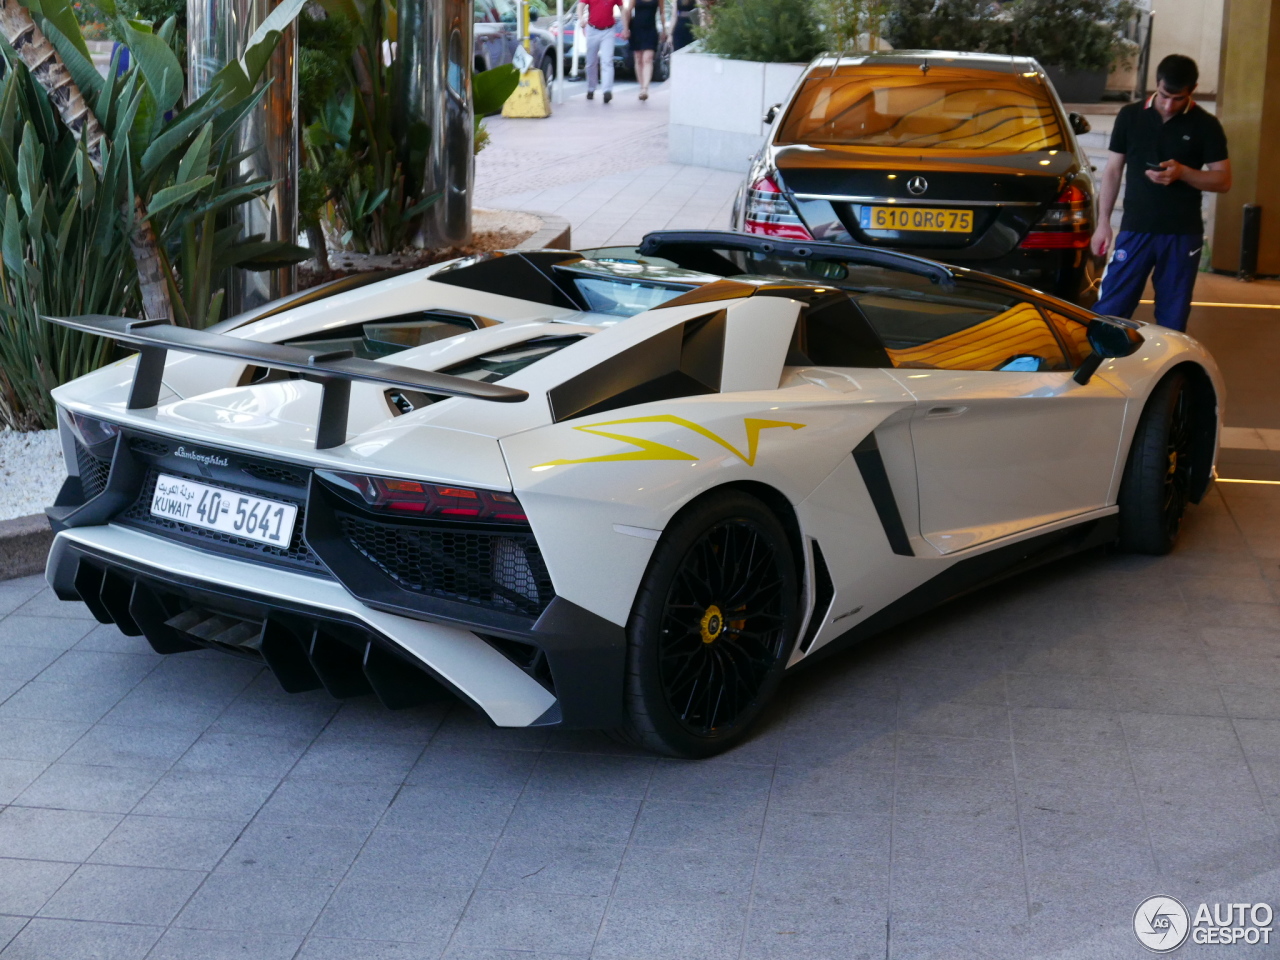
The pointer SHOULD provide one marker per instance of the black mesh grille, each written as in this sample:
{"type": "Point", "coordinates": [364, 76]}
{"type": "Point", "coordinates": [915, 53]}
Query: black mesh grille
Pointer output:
{"type": "Point", "coordinates": [500, 570]}
{"type": "Point", "coordinates": [277, 473]}
{"type": "Point", "coordinates": [297, 555]}
{"type": "Point", "coordinates": [149, 447]}
{"type": "Point", "coordinates": [93, 472]}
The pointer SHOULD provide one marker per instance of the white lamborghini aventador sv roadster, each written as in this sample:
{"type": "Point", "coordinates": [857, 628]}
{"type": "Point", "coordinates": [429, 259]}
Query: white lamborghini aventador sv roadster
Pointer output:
{"type": "Point", "coordinates": [625, 489]}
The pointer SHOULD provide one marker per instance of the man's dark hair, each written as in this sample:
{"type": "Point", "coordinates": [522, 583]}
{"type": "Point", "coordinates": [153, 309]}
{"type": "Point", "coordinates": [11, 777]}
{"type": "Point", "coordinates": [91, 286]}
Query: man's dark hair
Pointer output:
{"type": "Point", "coordinates": [1177, 73]}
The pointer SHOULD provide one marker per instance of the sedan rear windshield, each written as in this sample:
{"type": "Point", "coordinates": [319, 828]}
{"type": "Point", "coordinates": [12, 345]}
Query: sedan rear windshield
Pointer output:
{"type": "Point", "coordinates": [942, 109]}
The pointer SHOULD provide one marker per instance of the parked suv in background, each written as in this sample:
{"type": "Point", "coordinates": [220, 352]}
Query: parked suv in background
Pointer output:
{"type": "Point", "coordinates": [965, 158]}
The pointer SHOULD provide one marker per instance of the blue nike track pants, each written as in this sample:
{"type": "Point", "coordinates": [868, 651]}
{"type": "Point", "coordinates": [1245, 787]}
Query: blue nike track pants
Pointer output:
{"type": "Point", "coordinates": [1175, 258]}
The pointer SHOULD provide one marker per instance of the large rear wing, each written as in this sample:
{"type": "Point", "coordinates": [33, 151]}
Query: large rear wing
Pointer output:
{"type": "Point", "coordinates": [334, 371]}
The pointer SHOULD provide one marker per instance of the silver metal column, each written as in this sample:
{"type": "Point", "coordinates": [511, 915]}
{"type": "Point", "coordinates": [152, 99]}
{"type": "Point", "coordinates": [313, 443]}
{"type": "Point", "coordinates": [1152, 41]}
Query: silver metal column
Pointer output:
{"type": "Point", "coordinates": [217, 31]}
{"type": "Point", "coordinates": [434, 100]}
{"type": "Point", "coordinates": [559, 52]}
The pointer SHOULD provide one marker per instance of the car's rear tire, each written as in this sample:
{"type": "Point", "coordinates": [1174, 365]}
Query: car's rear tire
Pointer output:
{"type": "Point", "coordinates": [713, 625]}
{"type": "Point", "coordinates": [1158, 474]}
{"type": "Point", "coordinates": [549, 66]}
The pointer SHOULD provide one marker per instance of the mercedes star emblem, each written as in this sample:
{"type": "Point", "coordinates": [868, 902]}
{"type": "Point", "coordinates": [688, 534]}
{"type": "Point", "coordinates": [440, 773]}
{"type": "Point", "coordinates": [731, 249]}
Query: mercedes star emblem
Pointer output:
{"type": "Point", "coordinates": [917, 185]}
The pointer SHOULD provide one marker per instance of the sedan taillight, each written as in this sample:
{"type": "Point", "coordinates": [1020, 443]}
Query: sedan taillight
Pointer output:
{"type": "Point", "coordinates": [1066, 225]}
{"type": "Point", "coordinates": [769, 212]}
{"type": "Point", "coordinates": [441, 501]}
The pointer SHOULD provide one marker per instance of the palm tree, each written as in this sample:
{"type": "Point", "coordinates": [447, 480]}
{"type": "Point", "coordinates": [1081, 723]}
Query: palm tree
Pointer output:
{"type": "Point", "coordinates": [48, 69]}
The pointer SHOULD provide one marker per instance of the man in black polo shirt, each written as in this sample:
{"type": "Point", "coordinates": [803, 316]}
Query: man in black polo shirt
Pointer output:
{"type": "Point", "coordinates": [1174, 150]}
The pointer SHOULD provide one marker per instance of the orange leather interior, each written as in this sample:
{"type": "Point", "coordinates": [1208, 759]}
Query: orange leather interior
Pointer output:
{"type": "Point", "coordinates": [988, 345]}
{"type": "Point", "coordinates": [1076, 336]}
{"type": "Point", "coordinates": [947, 108]}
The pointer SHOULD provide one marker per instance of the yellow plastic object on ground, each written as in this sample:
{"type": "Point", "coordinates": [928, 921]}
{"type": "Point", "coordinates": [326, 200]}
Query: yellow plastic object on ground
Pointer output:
{"type": "Point", "coordinates": [531, 99]}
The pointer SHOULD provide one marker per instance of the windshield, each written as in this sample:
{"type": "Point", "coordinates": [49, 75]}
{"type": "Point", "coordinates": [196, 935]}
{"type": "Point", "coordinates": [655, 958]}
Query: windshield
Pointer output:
{"type": "Point", "coordinates": [943, 109]}
{"type": "Point", "coordinates": [624, 287]}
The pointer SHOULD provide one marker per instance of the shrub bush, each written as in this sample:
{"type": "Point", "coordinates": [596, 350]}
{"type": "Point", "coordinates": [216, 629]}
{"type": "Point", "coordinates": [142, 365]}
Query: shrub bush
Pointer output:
{"type": "Point", "coordinates": [65, 252]}
{"type": "Point", "coordinates": [965, 25]}
{"type": "Point", "coordinates": [1071, 34]}
{"type": "Point", "coordinates": [770, 31]}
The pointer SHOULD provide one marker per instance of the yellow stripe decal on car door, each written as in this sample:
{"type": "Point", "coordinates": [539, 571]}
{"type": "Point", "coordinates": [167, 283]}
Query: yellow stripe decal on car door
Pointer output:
{"type": "Point", "coordinates": [652, 450]}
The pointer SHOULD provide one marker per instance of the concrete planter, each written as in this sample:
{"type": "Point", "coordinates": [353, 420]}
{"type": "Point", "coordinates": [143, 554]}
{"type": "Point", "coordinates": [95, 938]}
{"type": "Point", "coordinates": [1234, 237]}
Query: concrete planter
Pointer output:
{"type": "Point", "coordinates": [718, 107]}
{"type": "Point", "coordinates": [1078, 86]}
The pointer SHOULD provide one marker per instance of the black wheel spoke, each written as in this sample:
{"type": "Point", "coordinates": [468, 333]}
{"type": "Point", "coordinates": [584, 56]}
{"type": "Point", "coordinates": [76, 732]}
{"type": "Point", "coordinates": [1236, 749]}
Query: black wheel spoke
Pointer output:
{"type": "Point", "coordinates": [1177, 480]}
{"type": "Point", "coordinates": [725, 624]}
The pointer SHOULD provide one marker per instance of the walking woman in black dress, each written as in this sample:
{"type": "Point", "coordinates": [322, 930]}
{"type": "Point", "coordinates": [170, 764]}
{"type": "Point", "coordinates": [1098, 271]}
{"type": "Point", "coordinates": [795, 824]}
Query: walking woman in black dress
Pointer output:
{"type": "Point", "coordinates": [682, 34]}
{"type": "Point", "coordinates": [647, 26]}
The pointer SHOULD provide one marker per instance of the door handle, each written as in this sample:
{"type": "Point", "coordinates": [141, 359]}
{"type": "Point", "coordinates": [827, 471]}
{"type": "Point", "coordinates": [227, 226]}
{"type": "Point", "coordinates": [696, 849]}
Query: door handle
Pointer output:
{"type": "Point", "coordinates": [938, 413]}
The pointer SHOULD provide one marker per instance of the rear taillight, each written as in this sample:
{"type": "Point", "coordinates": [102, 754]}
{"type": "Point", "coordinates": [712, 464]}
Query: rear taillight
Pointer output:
{"type": "Point", "coordinates": [90, 431]}
{"type": "Point", "coordinates": [1066, 225]}
{"type": "Point", "coordinates": [769, 212]}
{"type": "Point", "coordinates": [411, 498]}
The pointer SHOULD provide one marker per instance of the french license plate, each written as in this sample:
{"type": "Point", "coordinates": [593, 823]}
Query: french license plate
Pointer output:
{"type": "Point", "coordinates": [239, 514]}
{"type": "Point", "coordinates": [919, 219]}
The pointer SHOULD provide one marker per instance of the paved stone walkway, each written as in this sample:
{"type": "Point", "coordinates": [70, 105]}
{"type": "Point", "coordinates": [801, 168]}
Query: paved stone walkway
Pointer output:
{"type": "Point", "coordinates": [602, 168]}
{"type": "Point", "coordinates": [1005, 778]}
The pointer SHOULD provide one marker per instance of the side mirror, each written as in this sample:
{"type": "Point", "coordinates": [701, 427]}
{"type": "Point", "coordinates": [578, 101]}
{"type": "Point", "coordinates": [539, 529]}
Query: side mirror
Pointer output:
{"type": "Point", "coordinates": [1110, 339]}
{"type": "Point", "coordinates": [773, 113]}
{"type": "Point", "coordinates": [1079, 124]}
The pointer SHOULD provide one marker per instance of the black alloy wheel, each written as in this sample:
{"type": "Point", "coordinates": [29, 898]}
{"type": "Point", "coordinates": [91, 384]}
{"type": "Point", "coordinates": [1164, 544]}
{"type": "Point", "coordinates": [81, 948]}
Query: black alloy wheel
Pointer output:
{"type": "Point", "coordinates": [1157, 478]}
{"type": "Point", "coordinates": [713, 626]}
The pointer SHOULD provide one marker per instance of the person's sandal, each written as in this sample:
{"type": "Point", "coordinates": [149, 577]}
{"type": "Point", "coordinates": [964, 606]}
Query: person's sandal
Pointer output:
{"type": "Point", "coordinates": [644, 95]}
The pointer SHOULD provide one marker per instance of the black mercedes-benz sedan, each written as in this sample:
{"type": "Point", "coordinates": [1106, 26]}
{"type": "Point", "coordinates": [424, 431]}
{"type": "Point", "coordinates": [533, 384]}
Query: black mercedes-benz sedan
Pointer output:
{"type": "Point", "coordinates": [960, 157]}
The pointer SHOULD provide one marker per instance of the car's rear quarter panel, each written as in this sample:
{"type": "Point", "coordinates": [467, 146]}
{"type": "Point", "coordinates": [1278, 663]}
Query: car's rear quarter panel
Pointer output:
{"type": "Point", "coordinates": [580, 478]}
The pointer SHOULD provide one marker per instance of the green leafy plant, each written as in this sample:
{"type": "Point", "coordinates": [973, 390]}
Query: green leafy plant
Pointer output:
{"type": "Point", "coordinates": [96, 23]}
{"type": "Point", "coordinates": [965, 25]}
{"type": "Point", "coordinates": [490, 89]}
{"type": "Point", "coordinates": [1083, 35]}
{"type": "Point", "coordinates": [153, 188]}
{"type": "Point", "coordinates": [63, 245]}
{"type": "Point", "coordinates": [1080, 35]}
{"type": "Point", "coordinates": [362, 168]}
{"type": "Point", "coordinates": [361, 162]}
{"type": "Point", "coordinates": [772, 31]}
{"type": "Point", "coordinates": [183, 165]}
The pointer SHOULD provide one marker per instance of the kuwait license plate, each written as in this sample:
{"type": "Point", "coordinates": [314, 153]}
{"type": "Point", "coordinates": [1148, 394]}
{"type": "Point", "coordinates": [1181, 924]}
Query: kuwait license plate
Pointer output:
{"type": "Point", "coordinates": [920, 219]}
{"type": "Point", "coordinates": [239, 514]}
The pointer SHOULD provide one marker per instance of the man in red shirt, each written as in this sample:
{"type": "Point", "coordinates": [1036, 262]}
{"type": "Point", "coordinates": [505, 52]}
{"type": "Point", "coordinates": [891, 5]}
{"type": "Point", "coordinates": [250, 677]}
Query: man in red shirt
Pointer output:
{"type": "Point", "coordinates": [601, 21]}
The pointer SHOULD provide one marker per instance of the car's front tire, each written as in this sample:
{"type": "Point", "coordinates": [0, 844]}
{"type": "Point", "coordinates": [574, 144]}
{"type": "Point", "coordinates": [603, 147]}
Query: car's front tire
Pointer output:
{"type": "Point", "coordinates": [713, 625]}
{"type": "Point", "coordinates": [1158, 474]}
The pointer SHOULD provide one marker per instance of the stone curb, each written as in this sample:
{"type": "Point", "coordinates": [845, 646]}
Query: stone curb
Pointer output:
{"type": "Point", "coordinates": [24, 546]}
{"type": "Point", "coordinates": [25, 542]}
{"type": "Point", "coordinates": [554, 233]}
